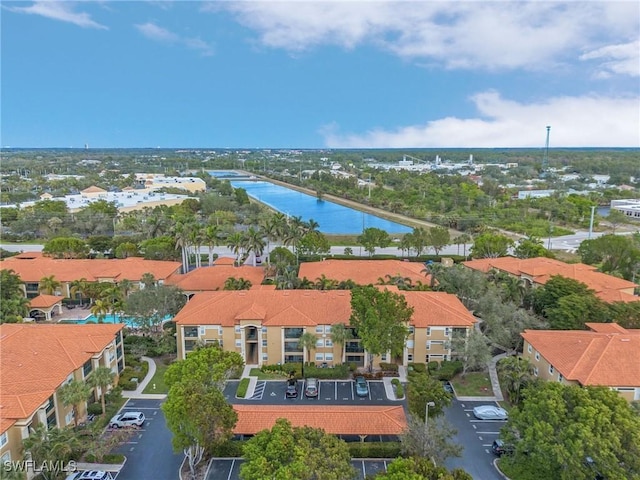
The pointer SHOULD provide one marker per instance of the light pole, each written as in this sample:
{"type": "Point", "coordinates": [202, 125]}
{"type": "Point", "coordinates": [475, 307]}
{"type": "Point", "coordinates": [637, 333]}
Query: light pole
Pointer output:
{"type": "Point", "coordinates": [369, 186]}
{"type": "Point", "coordinates": [426, 416]}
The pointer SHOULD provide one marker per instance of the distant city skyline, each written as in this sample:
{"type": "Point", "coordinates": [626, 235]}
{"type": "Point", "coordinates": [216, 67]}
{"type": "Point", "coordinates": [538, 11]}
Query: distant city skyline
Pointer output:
{"type": "Point", "coordinates": [333, 74]}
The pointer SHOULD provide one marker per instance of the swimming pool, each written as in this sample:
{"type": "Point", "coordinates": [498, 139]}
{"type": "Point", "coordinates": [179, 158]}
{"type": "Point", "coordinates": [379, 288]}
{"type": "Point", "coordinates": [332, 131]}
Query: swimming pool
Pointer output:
{"type": "Point", "coordinates": [109, 318]}
{"type": "Point", "coordinates": [332, 217]}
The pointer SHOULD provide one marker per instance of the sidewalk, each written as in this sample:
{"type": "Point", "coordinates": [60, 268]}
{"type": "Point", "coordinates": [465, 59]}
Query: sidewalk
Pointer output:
{"type": "Point", "coordinates": [252, 380]}
{"type": "Point", "coordinates": [495, 384]}
{"type": "Point", "coordinates": [137, 393]}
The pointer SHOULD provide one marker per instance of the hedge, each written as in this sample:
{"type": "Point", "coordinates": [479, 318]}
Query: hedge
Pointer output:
{"type": "Point", "coordinates": [110, 458]}
{"type": "Point", "coordinates": [388, 367]}
{"type": "Point", "coordinates": [374, 449]}
{"type": "Point", "coordinates": [448, 369]}
{"type": "Point", "coordinates": [337, 372]}
{"type": "Point", "coordinates": [231, 449]}
{"type": "Point", "coordinates": [94, 409]}
{"type": "Point", "coordinates": [241, 392]}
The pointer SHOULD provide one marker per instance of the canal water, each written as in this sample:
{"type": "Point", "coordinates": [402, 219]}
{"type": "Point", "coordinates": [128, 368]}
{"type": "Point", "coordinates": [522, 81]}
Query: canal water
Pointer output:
{"type": "Point", "coordinates": [333, 219]}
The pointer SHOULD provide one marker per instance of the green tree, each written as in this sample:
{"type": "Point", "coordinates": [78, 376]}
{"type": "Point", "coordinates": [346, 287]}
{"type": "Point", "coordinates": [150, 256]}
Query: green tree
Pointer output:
{"type": "Point", "coordinates": [472, 349]}
{"type": "Point", "coordinates": [429, 440]}
{"type": "Point", "coordinates": [300, 453]}
{"type": "Point", "coordinates": [381, 320]}
{"type": "Point", "coordinates": [199, 417]}
{"type": "Point", "coordinates": [558, 427]}
{"type": "Point", "coordinates": [422, 389]}
{"type": "Point", "coordinates": [150, 306]}
{"type": "Point", "coordinates": [74, 394]}
{"type": "Point", "coordinates": [614, 254]}
{"type": "Point", "coordinates": [130, 249]}
{"type": "Point", "coordinates": [253, 242]}
{"type": "Point", "coordinates": [55, 446]}
{"type": "Point", "coordinates": [308, 342]}
{"type": "Point", "coordinates": [616, 218]}
{"type": "Point", "coordinates": [66, 247]}
{"type": "Point", "coordinates": [414, 468]}
{"type": "Point", "coordinates": [313, 244]}
{"type": "Point", "coordinates": [233, 283]}
{"type": "Point", "coordinates": [13, 304]}
{"type": "Point", "coordinates": [491, 245]}
{"type": "Point", "coordinates": [438, 238]}
{"type": "Point", "coordinates": [100, 243]}
{"type": "Point", "coordinates": [531, 247]}
{"type": "Point", "coordinates": [340, 335]}
{"type": "Point", "coordinates": [372, 238]}
{"type": "Point", "coordinates": [158, 248]}
{"type": "Point", "coordinates": [463, 240]}
{"type": "Point", "coordinates": [102, 378]}
{"type": "Point", "coordinates": [48, 285]}
{"type": "Point", "coordinates": [515, 374]}
{"type": "Point", "coordinates": [210, 366]}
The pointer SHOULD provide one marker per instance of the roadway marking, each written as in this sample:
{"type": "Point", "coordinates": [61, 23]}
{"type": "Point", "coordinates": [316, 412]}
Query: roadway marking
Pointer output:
{"type": "Point", "coordinates": [233, 462]}
{"type": "Point", "coordinates": [487, 433]}
{"type": "Point", "coordinates": [486, 444]}
{"type": "Point", "coordinates": [479, 437]}
{"type": "Point", "coordinates": [474, 426]}
{"type": "Point", "coordinates": [259, 390]}
{"type": "Point", "coordinates": [135, 409]}
{"type": "Point", "coordinates": [336, 390]}
{"type": "Point", "coordinates": [462, 405]}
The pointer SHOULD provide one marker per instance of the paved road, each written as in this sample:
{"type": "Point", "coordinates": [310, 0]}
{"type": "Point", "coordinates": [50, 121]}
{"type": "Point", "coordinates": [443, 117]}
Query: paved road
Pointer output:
{"type": "Point", "coordinates": [476, 436]}
{"type": "Point", "coordinates": [149, 452]}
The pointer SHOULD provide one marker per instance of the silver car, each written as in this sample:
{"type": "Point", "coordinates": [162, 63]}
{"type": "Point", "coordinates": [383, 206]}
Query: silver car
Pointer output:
{"type": "Point", "coordinates": [127, 419]}
{"type": "Point", "coordinates": [490, 412]}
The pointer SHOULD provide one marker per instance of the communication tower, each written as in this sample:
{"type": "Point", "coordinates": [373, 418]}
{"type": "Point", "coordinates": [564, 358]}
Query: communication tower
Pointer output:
{"type": "Point", "coordinates": [545, 159]}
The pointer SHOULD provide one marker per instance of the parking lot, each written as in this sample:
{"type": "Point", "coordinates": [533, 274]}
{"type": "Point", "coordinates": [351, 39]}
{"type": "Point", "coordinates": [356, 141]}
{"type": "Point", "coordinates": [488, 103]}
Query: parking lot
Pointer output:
{"type": "Point", "coordinates": [476, 436]}
{"type": "Point", "coordinates": [330, 392]}
{"type": "Point", "coordinates": [229, 468]}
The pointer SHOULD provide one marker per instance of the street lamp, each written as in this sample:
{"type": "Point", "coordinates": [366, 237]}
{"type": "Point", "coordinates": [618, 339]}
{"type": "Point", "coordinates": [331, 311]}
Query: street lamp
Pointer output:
{"type": "Point", "coordinates": [426, 416]}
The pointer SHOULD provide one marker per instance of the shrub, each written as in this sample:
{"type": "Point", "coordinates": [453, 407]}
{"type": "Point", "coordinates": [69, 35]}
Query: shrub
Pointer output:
{"type": "Point", "coordinates": [388, 367]}
{"type": "Point", "coordinates": [399, 390]}
{"type": "Point", "coordinates": [94, 409]}
{"type": "Point", "coordinates": [353, 366]}
{"type": "Point", "coordinates": [374, 449]}
{"type": "Point", "coordinates": [433, 366]}
{"type": "Point", "coordinates": [231, 448]}
{"type": "Point", "coordinates": [241, 392]}
{"type": "Point", "coordinates": [418, 367]}
{"type": "Point", "coordinates": [110, 458]}
{"type": "Point", "coordinates": [338, 371]}
{"type": "Point", "coordinates": [448, 369]}
{"type": "Point", "coordinates": [372, 376]}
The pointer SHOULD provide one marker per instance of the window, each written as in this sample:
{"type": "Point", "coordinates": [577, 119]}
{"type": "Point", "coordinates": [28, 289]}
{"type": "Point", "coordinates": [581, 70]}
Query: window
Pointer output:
{"type": "Point", "coordinates": [535, 371]}
{"type": "Point", "coordinates": [409, 343]}
{"type": "Point", "coordinates": [68, 418]}
{"type": "Point", "coordinates": [292, 332]}
{"type": "Point", "coordinates": [327, 329]}
{"type": "Point", "coordinates": [319, 329]}
{"type": "Point", "coordinates": [319, 357]}
{"type": "Point", "coordinates": [264, 330]}
{"type": "Point", "coordinates": [6, 457]}
{"type": "Point", "coordinates": [220, 331]}
{"type": "Point", "coordinates": [428, 331]}
{"type": "Point", "coordinates": [412, 330]}
{"type": "Point", "coordinates": [551, 369]}
{"type": "Point", "coordinates": [320, 342]}
{"type": "Point", "coordinates": [529, 348]}
{"type": "Point", "coordinates": [328, 343]}
{"type": "Point", "coordinates": [265, 356]}
{"type": "Point", "coordinates": [87, 368]}
{"type": "Point", "coordinates": [191, 332]}
{"type": "Point", "coordinates": [264, 343]}
{"type": "Point", "coordinates": [328, 357]}
{"type": "Point", "coordinates": [237, 329]}
{"type": "Point", "coordinates": [4, 438]}
{"type": "Point", "coordinates": [537, 356]}
{"type": "Point", "coordinates": [560, 377]}
{"type": "Point", "coordinates": [447, 331]}
{"type": "Point", "coordinates": [429, 345]}
{"type": "Point", "coordinates": [409, 357]}
{"type": "Point", "coordinates": [383, 357]}
{"type": "Point", "coordinates": [238, 343]}
{"type": "Point", "coordinates": [202, 331]}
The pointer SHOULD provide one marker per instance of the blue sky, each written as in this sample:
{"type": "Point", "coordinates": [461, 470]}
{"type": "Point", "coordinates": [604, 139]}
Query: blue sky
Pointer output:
{"type": "Point", "coordinates": [337, 74]}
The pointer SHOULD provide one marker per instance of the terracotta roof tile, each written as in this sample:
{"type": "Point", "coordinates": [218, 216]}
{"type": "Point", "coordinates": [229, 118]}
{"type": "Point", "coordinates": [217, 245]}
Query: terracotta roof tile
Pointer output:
{"type": "Point", "coordinates": [32, 269]}
{"type": "Point", "coordinates": [212, 278]}
{"type": "Point", "coordinates": [36, 359]}
{"type": "Point", "coordinates": [541, 269]}
{"type": "Point", "coordinates": [44, 301]}
{"type": "Point", "coordinates": [333, 419]}
{"type": "Point", "coordinates": [608, 358]}
{"type": "Point", "coordinates": [363, 272]}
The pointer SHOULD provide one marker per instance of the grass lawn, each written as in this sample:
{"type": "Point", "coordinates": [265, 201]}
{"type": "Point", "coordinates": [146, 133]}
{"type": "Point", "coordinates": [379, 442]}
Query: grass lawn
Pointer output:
{"type": "Point", "coordinates": [256, 372]}
{"type": "Point", "coordinates": [473, 384]}
{"type": "Point", "coordinates": [157, 380]}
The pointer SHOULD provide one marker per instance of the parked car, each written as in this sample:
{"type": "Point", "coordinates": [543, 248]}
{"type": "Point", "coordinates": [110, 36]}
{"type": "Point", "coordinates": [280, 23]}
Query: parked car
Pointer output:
{"type": "Point", "coordinates": [448, 387]}
{"type": "Point", "coordinates": [499, 448]}
{"type": "Point", "coordinates": [292, 388]}
{"type": "Point", "coordinates": [90, 475]}
{"type": "Point", "coordinates": [490, 412]}
{"type": "Point", "coordinates": [311, 390]}
{"type": "Point", "coordinates": [127, 419]}
{"type": "Point", "coordinates": [362, 388]}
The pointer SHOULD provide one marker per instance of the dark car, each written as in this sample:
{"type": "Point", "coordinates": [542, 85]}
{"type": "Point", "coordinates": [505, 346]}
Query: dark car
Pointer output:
{"type": "Point", "coordinates": [292, 388]}
{"type": "Point", "coordinates": [499, 448]}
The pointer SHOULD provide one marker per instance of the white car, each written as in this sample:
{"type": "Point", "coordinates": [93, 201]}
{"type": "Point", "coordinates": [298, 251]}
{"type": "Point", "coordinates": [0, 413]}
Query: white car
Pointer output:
{"type": "Point", "coordinates": [490, 412]}
{"type": "Point", "coordinates": [127, 419]}
{"type": "Point", "coordinates": [90, 475]}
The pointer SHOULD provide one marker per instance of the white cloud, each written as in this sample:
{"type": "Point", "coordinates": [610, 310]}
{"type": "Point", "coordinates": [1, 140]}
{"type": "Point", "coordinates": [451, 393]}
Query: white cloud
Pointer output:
{"type": "Point", "coordinates": [62, 11]}
{"type": "Point", "coordinates": [489, 35]}
{"type": "Point", "coordinates": [619, 59]}
{"type": "Point", "coordinates": [160, 34]}
{"type": "Point", "coordinates": [588, 121]}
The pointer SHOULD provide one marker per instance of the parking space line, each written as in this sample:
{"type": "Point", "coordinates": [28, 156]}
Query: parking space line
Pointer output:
{"type": "Point", "coordinates": [488, 433]}
{"type": "Point", "coordinates": [233, 462]}
{"type": "Point", "coordinates": [336, 391]}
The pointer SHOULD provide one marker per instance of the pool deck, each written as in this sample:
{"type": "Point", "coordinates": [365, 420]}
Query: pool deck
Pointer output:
{"type": "Point", "coordinates": [72, 314]}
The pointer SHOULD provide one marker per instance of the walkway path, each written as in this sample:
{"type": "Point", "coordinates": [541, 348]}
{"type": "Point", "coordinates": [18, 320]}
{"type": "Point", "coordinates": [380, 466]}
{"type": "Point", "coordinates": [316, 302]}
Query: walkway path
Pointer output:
{"type": "Point", "coordinates": [495, 384]}
{"type": "Point", "coordinates": [137, 393]}
{"type": "Point", "coordinates": [252, 380]}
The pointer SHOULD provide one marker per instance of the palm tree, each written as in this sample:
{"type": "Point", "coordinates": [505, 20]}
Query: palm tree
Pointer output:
{"type": "Point", "coordinates": [102, 378]}
{"type": "Point", "coordinates": [148, 280]}
{"type": "Point", "coordinates": [233, 283]}
{"type": "Point", "coordinates": [74, 394]}
{"type": "Point", "coordinates": [287, 280]}
{"type": "Point", "coordinates": [515, 373]}
{"type": "Point", "coordinates": [182, 235]}
{"type": "Point", "coordinates": [293, 235]}
{"type": "Point", "coordinates": [235, 241]}
{"type": "Point", "coordinates": [48, 285]}
{"type": "Point", "coordinates": [212, 239]}
{"type": "Point", "coordinates": [311, 226]}
{"type": "Point", "coordinates": [463, 240]}
{"type": "Point", "coordinates": [308, 342]}
{"type": "Point", "coordinates": [254, 242]}
{"type": "Point", "coordinates": [100, 309]}
{"type": "Point", "coordinates": [52, 445]}
{"type": "Point", "coordinates": [270, 229]}
{"type": "Point", "coordinates": [125, 287]}
{"type": "Point", "coordinates": [195, 240]}
{"type": "Point", "coordinates": [324, 283]}
{"type": "Point", "coordinates": [340, 334]}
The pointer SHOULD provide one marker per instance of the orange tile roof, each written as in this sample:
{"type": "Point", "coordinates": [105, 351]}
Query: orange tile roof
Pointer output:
{"type": "Point", "coordinates": [32, 268]}
{"type": "Point", "coordinates": [607, 357]}
{"type": "Point", "coordinates": [44, 301]}
{"type": "Point", "coordinates": [333, 419]}
{"type": "Point", "coordinates": [93, 189]}
{"type": "Point", "coordinates": [36, 359]}
{"type": "Point", "coordinates": [541, 269]}
{"type": "Point", "coordinates": [363, 272]}
{"type": "Point", "coordinates": [612, 296]}
{"type": "Point", "coordinates": [293, 308]}
{"type": "Point", "coordinates": [224, 261]}
{"type": "Point", "coordinates": [271, 307]}
{"type": "Point", "coordinates": [212, 278]}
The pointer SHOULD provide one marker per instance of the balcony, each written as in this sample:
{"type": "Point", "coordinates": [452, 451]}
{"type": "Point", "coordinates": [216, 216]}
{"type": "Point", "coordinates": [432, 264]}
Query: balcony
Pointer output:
{"type": "Point", "coordinates": [292, 347]}
{"type": "Point", "coordinates": [292, 332]}
{"type": "Point", "coordinates": [353, 347]}
{"type": "Point", "coordinates": [190, 332]}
